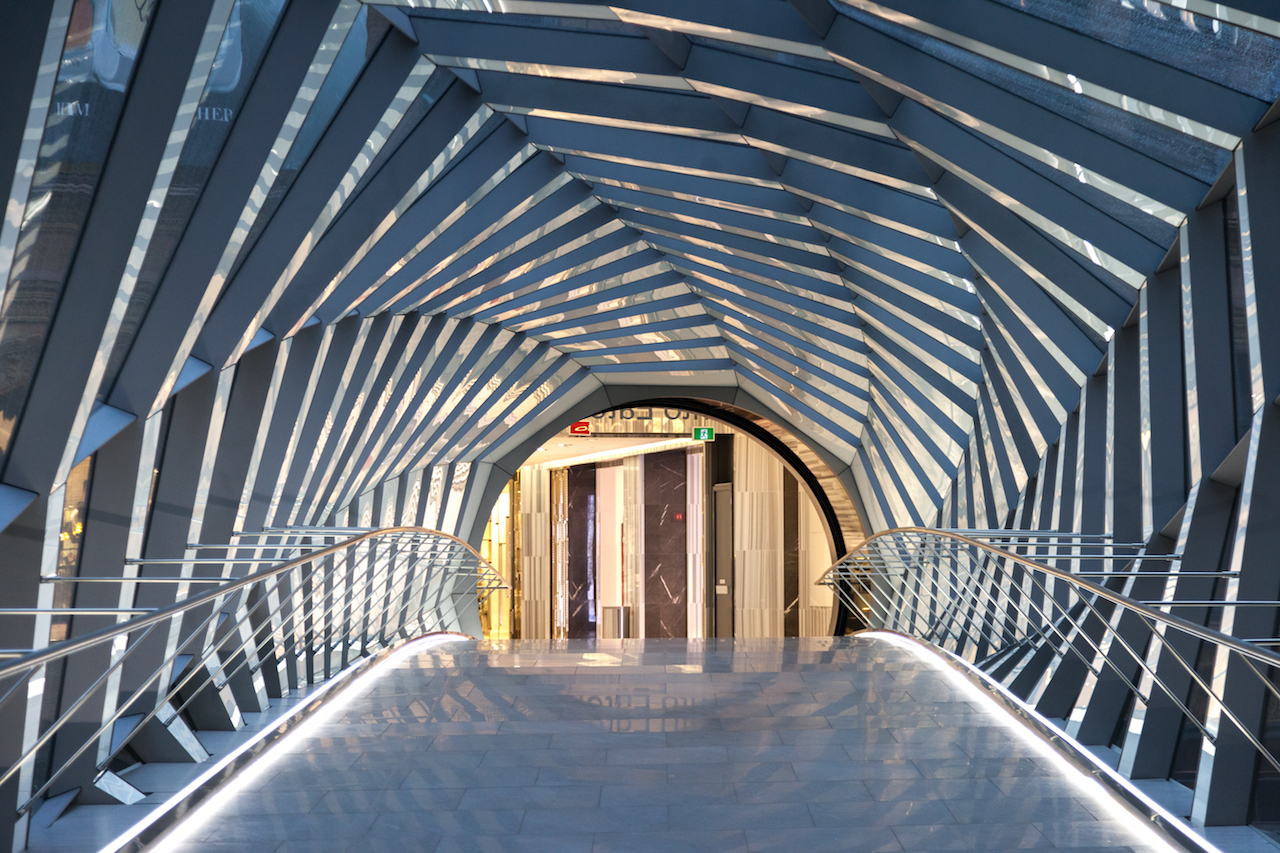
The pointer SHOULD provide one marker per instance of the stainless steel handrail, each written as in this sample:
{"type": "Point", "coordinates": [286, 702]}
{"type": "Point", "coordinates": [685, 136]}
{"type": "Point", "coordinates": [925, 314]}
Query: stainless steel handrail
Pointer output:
{"type": "Point", "coordinates": [70, 646]}
{"type": "Point", "coordinates": [349, 595]}
{"type": "Point", "coordinates": [942, 586]}
{"type": "Point", "coordinates": [1243, 647]}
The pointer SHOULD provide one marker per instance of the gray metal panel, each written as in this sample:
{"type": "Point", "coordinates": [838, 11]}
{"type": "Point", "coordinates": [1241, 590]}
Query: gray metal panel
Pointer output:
{"type": "Point", "coordinates": [248, 146]}
{"type": "Point", "coordinates": [104, 248]}
{"type": "Point", "coordinates": [324, 169]}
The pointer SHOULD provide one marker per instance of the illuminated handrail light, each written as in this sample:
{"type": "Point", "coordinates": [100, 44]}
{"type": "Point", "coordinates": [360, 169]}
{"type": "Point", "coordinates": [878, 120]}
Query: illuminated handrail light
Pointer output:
{"type": "Point", "coordinates": [1013, 605]}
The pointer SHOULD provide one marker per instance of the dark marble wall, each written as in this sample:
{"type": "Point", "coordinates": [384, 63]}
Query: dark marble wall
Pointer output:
{"type": "Point", "coordinates": [790, 555]}
{"type": "Point", "coordinates": [581, 572]}
{"type": "Point", "coordinates": [665, 561]}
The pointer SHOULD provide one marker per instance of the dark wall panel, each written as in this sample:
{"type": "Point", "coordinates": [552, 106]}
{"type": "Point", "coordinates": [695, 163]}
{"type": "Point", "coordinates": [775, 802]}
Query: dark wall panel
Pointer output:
{"type": "Point", "coordinates": [665, 571]}
{"type": "Point", "coordinates": [581, 573]}
{"type": "Point", "coordinates": [790, 555]}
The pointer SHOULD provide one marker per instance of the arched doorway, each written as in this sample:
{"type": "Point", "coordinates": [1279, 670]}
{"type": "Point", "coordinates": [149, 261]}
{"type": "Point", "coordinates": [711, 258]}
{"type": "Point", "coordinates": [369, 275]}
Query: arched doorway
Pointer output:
{"type": "Point", "coordinates": [559, 519]}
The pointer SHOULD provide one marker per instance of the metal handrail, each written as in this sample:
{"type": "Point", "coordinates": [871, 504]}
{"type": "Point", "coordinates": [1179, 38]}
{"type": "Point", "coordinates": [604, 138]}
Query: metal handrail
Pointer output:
{"type": "Point", "coordinates": [938, 585]}
{"type": "Point", "coordinates": [353, 596]}
{"type": "Point", "coordinates": [96, 638]}
{"type": "Point", "coordinates": [1242, 647]}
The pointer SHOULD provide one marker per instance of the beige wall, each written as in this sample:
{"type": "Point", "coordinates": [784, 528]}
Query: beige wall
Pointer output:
{"type": "Point", "coordinates": [757, 540]}
{"type": "Point", "coordinates": [609, 535]}
{"type": "Point", "coordinates": [535, 527]}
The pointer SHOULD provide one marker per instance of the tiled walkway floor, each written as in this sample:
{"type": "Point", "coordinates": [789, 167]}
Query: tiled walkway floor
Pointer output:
{"type": "Point", "coordinates": [649, 746]}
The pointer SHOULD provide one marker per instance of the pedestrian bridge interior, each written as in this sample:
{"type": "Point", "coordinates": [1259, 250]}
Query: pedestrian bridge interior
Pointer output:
{"type": "Point", "coordinates": [299, 300]}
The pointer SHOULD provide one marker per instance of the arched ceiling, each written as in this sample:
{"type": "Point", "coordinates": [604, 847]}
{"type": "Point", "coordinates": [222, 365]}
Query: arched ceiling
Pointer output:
{"type": "Point", "coordinates": [906, 230]}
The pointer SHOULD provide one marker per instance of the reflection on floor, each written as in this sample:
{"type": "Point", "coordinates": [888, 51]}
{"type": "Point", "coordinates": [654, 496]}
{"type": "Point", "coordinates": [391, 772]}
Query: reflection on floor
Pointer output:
{"type": "Point", "coordinates": [663, 745]}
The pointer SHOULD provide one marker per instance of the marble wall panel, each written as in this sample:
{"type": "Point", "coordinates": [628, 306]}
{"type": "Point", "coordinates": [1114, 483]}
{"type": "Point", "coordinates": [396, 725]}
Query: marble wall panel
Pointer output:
{"type": "Point", "coordinates": [790, 555]}
{"type": "Point", "coordinates": [580, 565]}
{"type": "Point", "coordinates": [665, 547]}
{"type": "Point", "coordinates": [633, 541]}
{"type": "Point", "coordinates": [559, 553]}
{"type": "Point", "coordinates": [695, 542]}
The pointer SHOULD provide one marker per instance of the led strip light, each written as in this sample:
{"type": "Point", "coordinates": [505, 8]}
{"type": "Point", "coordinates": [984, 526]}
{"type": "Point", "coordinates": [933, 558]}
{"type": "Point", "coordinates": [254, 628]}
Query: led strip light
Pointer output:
{"type": "Point", "coordinates": [340, 689]}
{"type": "Point", "coordinates": [1092, 783]}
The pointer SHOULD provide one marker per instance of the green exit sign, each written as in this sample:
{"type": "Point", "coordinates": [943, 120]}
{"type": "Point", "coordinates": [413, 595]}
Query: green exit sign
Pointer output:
{"type": "Point", "coordinates": [704, 434]}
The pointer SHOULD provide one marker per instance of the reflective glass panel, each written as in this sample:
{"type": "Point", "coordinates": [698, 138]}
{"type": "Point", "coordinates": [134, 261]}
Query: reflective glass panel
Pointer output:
{"type": "Point", "coordinates": [97, 65]}
{"type": "Point", "coordinates": [1181, 151]}
{"type": "Point", "coordinates": [244, 43]}
{"type": "Point", "coordinates": [357, 48]}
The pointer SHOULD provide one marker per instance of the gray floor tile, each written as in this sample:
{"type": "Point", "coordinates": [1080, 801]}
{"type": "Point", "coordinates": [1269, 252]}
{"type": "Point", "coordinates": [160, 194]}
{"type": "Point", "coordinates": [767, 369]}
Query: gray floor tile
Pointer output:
{"type": "Point", "coordinates": [740, 816]}
{"type": "Point", "coordinates": [469, 777]}
{"type": "Point", "coordinates": [801, 792]}
{"type": "Point", "coordinates": [764, 771]}
{"type": "Point", "coordinates": [978, 768]}
{"type": "Point", "coordinates": [611, 819]}
{"type": "Point", "coordinates": [453, 822]}
{"type": "Point", "coordinates": [840, 736]}
{"type": "Point", "coordinates": [537, 797]}
{"type": "Point", "coordinates": [730, 739]}
{"type": "Point", "coordinates": [967, 789]}
{"type": "Point", "coordinates": [330, 760]}
{"type": "Point", "coordinates": [667, 795]}
{"type": "Point", "coordinates": [1002, 836]}
{"type": "Point", "coordinates": [611, 739]}
{"type": "Point", "coordinates": [566, 843]}
{"type": "Point", "coordinates": [669, 755]}
{"type": "Point", "coordinates": [1019, 810]}
{"type": "Point", "coordinates": [1087, 833]}
{"type": "Point", "coordinates": [654, 746]}
{"type": "Point", "coordinates": [788, 752]}
{"type": "Point", "coordinates": [874, 839]}
{"type": "Point", "coordinates": [372, 843]}
{"type": "Point", "coordinates": [504, 742]}
{"type": "Point", "coordinates": [903, 789]}
{"type": "Point", "coordinates": [212, 847]}
{"type": "Point", "coordinates": [545, 757]}
{"type": "Point", "coordinates": [925, 838]}
{"type": "Point", "coordinates": [834, 771]}
{"type": "Point", "coordinates": [428, 759]}
{"type": "Point", "coordinates": [947, 734]}
{"type": "Point", "coordinates": [311, 780]}
{"type": "Point", "coordinates": [360, 744]}
{"type": "Point", "coordinates": [721, 841]}
{"type": "Point", "coordinates": [881, 813]}
{"type": "Point", "coordinates": [881, 751]}
{"type": "Point", "coordinates": [898, 722]}
{"type": "Point", "coordinates": [393, 800]}
{"type": "Point", "coordinates": [602, 774]}
{"type": "Point", "coordinates": [271, 802]}
{"type": "Point", "coordinates": [774, 723]}
{"type": "Point", "coordinates": [291, 827]}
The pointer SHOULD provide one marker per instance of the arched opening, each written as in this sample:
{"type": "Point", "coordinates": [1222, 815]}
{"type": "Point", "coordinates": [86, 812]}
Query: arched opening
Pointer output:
{"type": "Point", "coordinates": [636, 529]}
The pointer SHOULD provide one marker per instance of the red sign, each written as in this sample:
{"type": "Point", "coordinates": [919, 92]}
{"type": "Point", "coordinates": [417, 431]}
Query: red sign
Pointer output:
{"type": "Point", "coordinates": [580, 428]}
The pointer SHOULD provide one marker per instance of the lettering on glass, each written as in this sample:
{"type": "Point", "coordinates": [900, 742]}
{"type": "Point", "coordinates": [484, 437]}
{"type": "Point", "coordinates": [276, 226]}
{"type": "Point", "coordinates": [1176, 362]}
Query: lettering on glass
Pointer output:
{"type": "Point", "coordinates": [214, 113]}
